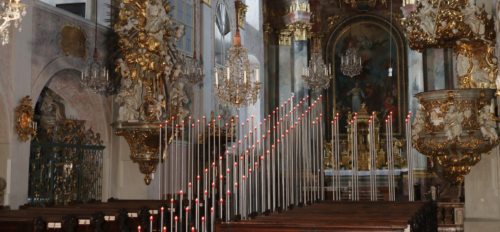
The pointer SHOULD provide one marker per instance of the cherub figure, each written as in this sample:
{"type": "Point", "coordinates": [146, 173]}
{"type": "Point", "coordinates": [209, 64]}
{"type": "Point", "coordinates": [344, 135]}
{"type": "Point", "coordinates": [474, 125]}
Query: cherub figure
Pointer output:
{"type": "Point", "coordinates": [418, 123]}
{"type": "Point", "coordinates": [487, 122]}
{"type": "Point", "coordinates": [453, 123]}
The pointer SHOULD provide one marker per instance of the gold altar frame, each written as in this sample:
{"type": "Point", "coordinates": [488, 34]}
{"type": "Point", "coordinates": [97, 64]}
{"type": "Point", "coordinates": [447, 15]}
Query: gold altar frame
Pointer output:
{"type": "Point", "coordinates": [339, 30]}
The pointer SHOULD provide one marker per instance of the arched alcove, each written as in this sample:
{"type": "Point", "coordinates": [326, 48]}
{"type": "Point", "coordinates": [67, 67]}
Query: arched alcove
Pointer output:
{"type": "Point", "coordinates": [381, 45]}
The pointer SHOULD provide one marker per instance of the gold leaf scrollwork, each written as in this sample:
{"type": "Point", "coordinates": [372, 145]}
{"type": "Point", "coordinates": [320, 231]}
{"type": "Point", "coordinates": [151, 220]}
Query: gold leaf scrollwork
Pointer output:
{"type": "Point", "coordinates": [25, 127]}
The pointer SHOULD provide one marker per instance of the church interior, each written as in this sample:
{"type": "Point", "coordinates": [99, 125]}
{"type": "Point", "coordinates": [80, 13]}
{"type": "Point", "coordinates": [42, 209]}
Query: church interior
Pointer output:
{"type": "Point", "coordinates": [247, 115]}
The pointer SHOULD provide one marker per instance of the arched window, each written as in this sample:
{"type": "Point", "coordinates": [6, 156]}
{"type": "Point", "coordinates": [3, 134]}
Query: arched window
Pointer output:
{"type": "Point", "coordinates": [222, 32]}
{"type": "Point", "coordinates": [183, 13]}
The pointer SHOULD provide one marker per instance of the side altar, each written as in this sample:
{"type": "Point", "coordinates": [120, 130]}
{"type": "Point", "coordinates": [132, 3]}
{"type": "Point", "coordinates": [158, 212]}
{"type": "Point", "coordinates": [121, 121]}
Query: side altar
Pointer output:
{"type": "Point", "coordinates": [365, 163]}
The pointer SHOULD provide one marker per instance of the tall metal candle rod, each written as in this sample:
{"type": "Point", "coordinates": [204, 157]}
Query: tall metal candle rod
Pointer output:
{"type": "Point", "coordinates": [181, 170]}
{"type": "Point", "coordinates": [209, 141]}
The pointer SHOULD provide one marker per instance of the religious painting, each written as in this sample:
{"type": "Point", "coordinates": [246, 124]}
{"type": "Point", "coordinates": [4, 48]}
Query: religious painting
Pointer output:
{"type": "Point", "coordinates": [374, 89]}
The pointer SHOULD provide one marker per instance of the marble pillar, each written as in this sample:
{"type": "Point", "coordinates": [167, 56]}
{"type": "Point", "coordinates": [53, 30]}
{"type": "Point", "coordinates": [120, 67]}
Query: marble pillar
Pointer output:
{"type": "Point", "coordinates": [285, 73]}
{"type": "Point", "coordinates": [416, 85]}
{"type": "Point", "coordinates": [299, 64]}
{"type": "Point", "coordinates": [482, 184]}
{"type": "Point", "coordinates": [18, 162]}
{"type": "Point", "coordinates": [270, 67]}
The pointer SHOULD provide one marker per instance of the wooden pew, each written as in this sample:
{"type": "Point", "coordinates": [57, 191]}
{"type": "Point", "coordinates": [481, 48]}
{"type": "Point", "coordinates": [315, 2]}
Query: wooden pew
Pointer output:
{"type": "Point", "coordinates": [343, 216]}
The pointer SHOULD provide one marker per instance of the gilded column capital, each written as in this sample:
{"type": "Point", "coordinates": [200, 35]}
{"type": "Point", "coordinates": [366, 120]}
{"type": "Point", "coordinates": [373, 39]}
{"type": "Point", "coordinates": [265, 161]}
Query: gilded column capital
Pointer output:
{"type": "Point", "coordinates": [268, 29]}
{"type": "Point", "coordinates": [300, 30]}
{"type": "Point", "coordinates": [285, 37]}
{"type": "Point", "coordinates": [242, 12]}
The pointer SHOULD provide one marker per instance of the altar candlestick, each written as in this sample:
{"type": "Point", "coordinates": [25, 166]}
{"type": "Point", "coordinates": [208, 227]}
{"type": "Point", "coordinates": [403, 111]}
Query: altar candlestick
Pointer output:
{"type": "Point", "coordinates": [187, 218]}
{"type": "Point", "coordinates": [212, 219]}
{"type": "Point", "coordinates": [181, 196]}
{"type": "Point", "coordinates": [150, 223]}
{"type": "Point", "coordinates": [203, 227]}
{"type": "Point", "coordinates": [177, 223]}
{"type": "Point", "coordinates": [161, 216]}
{"type": "Point", "coordinates": [197, 213]}
{"type": "Point", "coordinates": [171, 212]}
{"type": "Point", "coordinates": [198, 164]}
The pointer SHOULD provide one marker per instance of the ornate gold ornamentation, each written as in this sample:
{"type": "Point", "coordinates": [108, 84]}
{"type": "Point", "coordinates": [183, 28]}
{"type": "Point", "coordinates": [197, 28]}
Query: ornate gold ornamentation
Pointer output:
{"type": "Point", "coordinates": [296, 7]}
{"type": "Point", "coordinates": [268, 29]}
{"type": "Point", "coordinates": [242, 12]}
{"type": "Point", "coordinates": [440, 23]}
{"type": "Point", "coordinates": [365, 3]}
{"type": "Point", "coordinates": [144, 142]}
{"type": "Point", "coordinates": [363, 145]}
{"type": "Point", "coordinates": [285, 37]}
{"type": "Point", "coordinates": [333, 21]}
{"type": "Point", "coordinates": [455, 127]}
{"type": "Point", "coordinates": [25, 126]}
{"type": "Point", "coordinates": [477, 66]}
{"type": "Point", "coordinates": [300, 30]}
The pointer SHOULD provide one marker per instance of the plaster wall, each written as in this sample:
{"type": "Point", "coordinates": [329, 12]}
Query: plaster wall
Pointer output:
{"type": "Point", "coordinates": [34, 60]}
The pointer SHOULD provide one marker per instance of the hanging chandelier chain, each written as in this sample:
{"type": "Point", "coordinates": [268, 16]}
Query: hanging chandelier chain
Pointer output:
{"type": "Point", "coordinates": [95, 77]}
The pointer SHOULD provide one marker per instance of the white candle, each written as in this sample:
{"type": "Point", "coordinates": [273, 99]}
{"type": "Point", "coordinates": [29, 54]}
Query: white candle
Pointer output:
{"type": "Point", "coordinates": [228, 73]}
{"type": "Point", "coordinates": [257, 75]}
{"type": "Point", "coordinates": [245, 77]}
{"type": "Point", "coordinates": [216, 78]}
{"type": "Point", "coordinates": [150, 223]}
{"type": "Point", "coordinates": [161, 216]}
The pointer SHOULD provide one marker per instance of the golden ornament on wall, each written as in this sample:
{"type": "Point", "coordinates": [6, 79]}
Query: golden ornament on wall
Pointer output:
{"type": "Point", "coordinates": [242, 12]}
{"type": "Point", "coordinates": [477, 66]}
{"type": "Point", "coordinates": [73, 41]}
{"type": "Point", "coordinates": [25, 126]}
{"type": "Point", "coordinates": [454, 127]}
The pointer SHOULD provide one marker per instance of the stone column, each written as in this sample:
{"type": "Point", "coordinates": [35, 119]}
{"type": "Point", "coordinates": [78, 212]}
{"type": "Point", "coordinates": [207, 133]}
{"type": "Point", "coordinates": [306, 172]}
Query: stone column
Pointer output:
{"type": "Point", "coordinates": [18, 163]}
{"type": "Point", "coordinates": [299, 50]}
{"type": "Point", "coordinates": [285, 65]}
{"type": "Point", "coordinates": [482, 184]}
{"type": "Point", "coordinates": [270, 65]}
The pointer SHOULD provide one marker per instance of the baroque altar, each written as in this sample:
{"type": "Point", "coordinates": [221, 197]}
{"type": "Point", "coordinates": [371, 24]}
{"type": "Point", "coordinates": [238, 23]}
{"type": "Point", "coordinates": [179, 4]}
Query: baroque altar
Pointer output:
{"type": "Point", "coordinates": [364, 141]}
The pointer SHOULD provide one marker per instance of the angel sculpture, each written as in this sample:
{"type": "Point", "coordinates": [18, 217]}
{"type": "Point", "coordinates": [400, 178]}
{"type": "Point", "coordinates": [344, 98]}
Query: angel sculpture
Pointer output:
{"type": "Point", "coordinates": [129, 100]}
{"type": "Point", "coordinates": [179, 99]}
{"type": "Point", "coordinates": [453, 123]}
{"type": "Point", "coordinates": [487, 122]}
{"type": "Point", "coordinates": [418, 123]}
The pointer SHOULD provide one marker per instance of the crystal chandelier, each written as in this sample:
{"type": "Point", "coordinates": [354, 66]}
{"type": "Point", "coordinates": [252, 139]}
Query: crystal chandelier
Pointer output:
{"type": "Point", "coordinates": [317, 75]}
{"type": "Point", "coordinates": [235, 87]}
{"type": "Point", "coordinates": [11, 11]}
{"type": "Point", "coordinates": [96, 77]}
{"type": "Point", "coordinates": [193, 69]}
{"type": "Point", "coordinates": [351, 64]}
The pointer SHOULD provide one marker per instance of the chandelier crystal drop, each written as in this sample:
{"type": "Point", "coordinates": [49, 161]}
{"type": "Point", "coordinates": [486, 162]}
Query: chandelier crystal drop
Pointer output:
{"type": "Point", "coordinates": [11, 11]}
{"type": "Point", "coordinates": [239, 83]}
{"type": "Point", "coordinates": [351, 63]}
{"type": "Point", "coordinates": [235, 86]}
{"type": "Point", "coordinates": [96, 76]}
{"type": "Point", "coordinates": [317, 75]}
{"type": "Point", "coordinates": [192, 70]}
